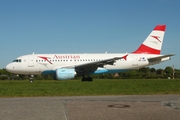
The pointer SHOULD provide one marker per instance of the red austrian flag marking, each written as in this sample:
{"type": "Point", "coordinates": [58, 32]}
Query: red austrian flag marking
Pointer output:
{"type": "Point", "coordinates": [156, 37]}
{"type": "Point", "coordinates": [45, 58]}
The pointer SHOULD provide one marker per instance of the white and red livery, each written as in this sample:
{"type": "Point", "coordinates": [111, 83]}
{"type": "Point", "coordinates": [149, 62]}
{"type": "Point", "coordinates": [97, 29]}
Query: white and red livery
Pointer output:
{"type": "Point", "coordinates": [67, 66]}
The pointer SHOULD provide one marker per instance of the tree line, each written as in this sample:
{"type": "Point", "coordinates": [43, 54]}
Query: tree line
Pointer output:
{"type": "Point", "coordinates": [142, 73]}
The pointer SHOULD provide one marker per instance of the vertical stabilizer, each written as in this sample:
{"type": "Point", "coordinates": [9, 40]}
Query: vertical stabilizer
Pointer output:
{"type": "Point", "coordinates": [153, 43]}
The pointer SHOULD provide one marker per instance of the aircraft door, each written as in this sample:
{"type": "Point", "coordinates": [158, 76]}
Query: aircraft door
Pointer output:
{"type": "Point", "coordinates": [31, 61]}
{"type": "Point", "coordinates": [134, 60]}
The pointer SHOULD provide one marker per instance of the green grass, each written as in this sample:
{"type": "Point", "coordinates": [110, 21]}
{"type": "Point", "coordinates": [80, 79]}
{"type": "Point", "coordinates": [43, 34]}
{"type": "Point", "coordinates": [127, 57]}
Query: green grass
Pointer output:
{"type": "Point", "coordinates": [23, 88]}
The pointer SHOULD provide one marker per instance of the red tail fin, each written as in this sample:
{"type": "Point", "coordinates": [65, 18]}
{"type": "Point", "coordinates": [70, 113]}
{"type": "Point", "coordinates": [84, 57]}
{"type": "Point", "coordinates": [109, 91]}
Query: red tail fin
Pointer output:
{"type": "Point", "coordinates": [153, 43]}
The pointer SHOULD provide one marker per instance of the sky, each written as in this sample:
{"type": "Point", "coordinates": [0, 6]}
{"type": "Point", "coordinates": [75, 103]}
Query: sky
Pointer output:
{"type": "Point", "coordinates": [86, 26]}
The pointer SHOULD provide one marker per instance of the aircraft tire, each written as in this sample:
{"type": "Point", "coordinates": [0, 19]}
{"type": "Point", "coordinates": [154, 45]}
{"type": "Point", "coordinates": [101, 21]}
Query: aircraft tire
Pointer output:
{"type": "Point", "coordinates": [83, 79]}
{"type": "Point", "coordinates": [87, 79]}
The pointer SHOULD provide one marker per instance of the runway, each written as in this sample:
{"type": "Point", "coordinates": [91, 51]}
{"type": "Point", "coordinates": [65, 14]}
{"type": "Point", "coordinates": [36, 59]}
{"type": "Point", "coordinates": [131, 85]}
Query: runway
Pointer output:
{"type": "Point", "coordinates": [124, 107]}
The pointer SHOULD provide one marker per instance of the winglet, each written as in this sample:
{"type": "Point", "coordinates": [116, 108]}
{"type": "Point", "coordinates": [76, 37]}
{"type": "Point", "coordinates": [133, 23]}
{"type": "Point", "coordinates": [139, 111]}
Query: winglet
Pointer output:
{"type": "Point", "coordinates": [125, 57]}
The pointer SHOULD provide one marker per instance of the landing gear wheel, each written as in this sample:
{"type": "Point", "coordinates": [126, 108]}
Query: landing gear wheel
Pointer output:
{"type": "Point", "coordinates": [31, 79]}
{"type": "Point", "coordinates": [83, 79]}
{"type": "Point", "coordinates": [87, 79]}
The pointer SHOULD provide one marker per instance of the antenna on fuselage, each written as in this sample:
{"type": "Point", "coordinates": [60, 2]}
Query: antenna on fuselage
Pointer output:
{"type": "Point", "coordinates": [33, 53]}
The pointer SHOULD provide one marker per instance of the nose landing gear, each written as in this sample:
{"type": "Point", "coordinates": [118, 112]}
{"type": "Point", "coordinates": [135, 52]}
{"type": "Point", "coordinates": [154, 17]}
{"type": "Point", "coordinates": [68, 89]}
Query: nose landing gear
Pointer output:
{"type": "Point", "coordinates": [31, 79]}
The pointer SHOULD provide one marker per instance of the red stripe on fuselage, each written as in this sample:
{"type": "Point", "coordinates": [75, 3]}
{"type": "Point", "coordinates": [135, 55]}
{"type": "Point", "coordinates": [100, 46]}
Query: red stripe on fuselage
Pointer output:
{"type": "Point", "coordinates": [147, 50]}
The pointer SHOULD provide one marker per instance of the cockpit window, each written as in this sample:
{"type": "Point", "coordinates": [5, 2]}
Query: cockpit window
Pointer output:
{"type": "Point", "coordinates": [17, 60]}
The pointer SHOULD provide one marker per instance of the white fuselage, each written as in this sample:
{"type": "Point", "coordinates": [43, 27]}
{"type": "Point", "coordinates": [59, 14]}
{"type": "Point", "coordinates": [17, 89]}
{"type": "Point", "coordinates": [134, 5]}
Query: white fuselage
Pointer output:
{"type": "Point", "coordinates": [47, 63]}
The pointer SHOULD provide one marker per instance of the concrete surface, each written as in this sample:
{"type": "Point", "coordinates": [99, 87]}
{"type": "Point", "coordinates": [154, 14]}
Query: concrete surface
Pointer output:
{"type": "Point", "coordinates": [125, 107]}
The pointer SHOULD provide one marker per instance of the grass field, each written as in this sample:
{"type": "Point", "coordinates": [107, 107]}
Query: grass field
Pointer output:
{"type": "Point", "coordinates": [23, 88]}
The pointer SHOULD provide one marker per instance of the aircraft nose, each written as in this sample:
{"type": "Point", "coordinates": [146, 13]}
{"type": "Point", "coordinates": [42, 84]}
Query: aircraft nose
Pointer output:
{"type": "Point", "coordinates": [9, 67]}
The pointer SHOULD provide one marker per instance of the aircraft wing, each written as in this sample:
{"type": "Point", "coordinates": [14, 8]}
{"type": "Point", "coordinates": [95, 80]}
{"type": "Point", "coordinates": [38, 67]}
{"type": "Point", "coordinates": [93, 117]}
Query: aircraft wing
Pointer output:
{"type": "Point", "coordinates": [160, 58]}
{"type": "Point", "coordinates": [92, 66]}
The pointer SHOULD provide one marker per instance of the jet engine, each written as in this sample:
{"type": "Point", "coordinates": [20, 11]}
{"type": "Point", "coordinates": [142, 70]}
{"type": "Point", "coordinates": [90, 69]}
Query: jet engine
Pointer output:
{"type": "Point", "coordinates": [65, 73]}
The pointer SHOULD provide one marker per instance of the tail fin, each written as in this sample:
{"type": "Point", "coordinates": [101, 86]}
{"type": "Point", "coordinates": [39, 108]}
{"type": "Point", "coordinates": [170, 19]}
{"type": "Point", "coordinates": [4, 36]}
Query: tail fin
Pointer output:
{"type": "Point", "coordinates": [153, 43]}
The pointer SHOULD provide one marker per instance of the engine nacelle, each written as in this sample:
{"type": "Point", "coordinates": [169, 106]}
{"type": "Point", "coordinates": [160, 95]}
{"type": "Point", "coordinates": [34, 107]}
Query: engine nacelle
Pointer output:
{"type": "Point", "coordinates": [65, 73]}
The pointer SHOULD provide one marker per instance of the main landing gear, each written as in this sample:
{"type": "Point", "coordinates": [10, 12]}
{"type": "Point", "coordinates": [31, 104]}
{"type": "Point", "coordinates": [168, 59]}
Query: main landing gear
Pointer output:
{"type": "Point", "coordinates": [87, 79]}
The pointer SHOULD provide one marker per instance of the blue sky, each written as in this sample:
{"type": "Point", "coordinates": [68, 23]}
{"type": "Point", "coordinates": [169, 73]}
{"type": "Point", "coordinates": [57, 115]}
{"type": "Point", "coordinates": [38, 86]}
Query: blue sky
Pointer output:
{"type": "Point", "coordinates": [86, 26]}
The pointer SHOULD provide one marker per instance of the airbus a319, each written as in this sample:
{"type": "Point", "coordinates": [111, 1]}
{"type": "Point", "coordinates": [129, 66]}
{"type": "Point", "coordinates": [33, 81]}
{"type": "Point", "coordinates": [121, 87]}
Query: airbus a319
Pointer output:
{"type": "Point", "coordinates": [67, 66]}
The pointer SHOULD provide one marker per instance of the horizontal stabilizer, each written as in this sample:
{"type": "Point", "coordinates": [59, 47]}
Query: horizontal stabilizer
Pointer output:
{"type": "Point", "coordinates": [160, 58]}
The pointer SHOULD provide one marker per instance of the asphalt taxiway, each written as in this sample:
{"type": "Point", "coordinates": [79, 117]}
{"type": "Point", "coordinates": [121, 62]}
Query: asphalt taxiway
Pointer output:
{"type": "Point", "coordinates": [124, 107]}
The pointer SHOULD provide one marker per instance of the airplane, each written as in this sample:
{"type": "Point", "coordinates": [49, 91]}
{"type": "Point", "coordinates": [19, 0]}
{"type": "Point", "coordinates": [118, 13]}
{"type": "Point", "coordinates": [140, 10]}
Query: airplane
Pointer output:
{"type": "Point", "coordinates": [67, 66]}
